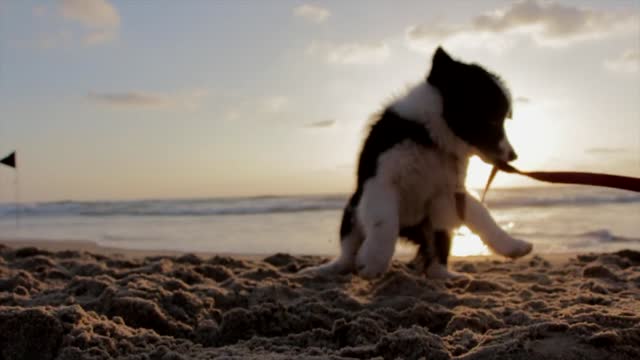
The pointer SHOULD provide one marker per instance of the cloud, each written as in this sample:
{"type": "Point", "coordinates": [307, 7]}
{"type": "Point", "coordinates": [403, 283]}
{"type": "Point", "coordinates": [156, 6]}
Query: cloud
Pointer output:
{"type": "Point", "coordinates": [425, 38]}
{"type": "Point", "coordinates": [627, 62]}
{"type": "Point", "coordinates": [91, 13]}
{"type": "Point", "coordinates": [232, 115]}
{"type": "Point", "coordinates": [99, 36]}
{"type": "Point", "coordinates": [605, 150]}
{"type": "Point", "coordinates": [274, 104]}
{"type": "Point", "coordinates": [53, 39]}
{"type": "Point", "coordinates": [321, 124]}
{"type": "Point", "coordinates": [312, 13]}
{"type": "Point", "coordinates": [433, 32]}
{"type": "Point", "coordinates": [552, 21]}
{"type": "Point", "coordinates": [547, 23]}
{"type": "Point", "coordinates": [130, 99]}
{"type": "Point", "coordinates": [351, 53]}
{"type": "Point", "coordinates": [99, 18]}
{"type": "Point", "coordinates": [189, 100]}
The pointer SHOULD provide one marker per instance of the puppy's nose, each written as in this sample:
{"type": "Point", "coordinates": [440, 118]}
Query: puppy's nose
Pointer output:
{"type": "Point", "coordinates": [512, 156]}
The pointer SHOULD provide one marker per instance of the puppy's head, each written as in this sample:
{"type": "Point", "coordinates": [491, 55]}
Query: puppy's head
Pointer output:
{"type": "Point", "coordinates": [475, 105]}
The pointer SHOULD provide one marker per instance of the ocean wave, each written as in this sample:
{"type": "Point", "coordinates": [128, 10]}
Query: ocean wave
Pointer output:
{"type": "Point", "coordinates": [563, 200]}
{"type": "Point", "coordinates": [216, 207]}
{"type": "Point", "coordinates": [602, 236]}
{"type": "Point", "coordinates": [498, 199]}
{"type": "Point", "coordinates": [606, 236]}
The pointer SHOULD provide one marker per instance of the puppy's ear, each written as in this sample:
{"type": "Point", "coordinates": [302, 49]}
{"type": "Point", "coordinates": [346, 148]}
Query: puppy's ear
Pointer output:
{"type": "Point", "coordinates": [441, 65]}
{"type": "Point", "coordinates": [441, 58]}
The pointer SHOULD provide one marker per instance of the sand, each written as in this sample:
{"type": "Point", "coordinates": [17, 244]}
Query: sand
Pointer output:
{"type": "Point", "coordinates": [72, 304]}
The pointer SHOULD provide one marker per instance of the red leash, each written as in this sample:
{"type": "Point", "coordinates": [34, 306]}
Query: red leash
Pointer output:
{"type": "Point", "coordinates": [570, 177]}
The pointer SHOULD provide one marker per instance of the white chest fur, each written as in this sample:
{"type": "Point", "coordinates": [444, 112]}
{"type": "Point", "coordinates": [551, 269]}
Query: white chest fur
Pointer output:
{"type": "Point", "coordinates": [416, 174]}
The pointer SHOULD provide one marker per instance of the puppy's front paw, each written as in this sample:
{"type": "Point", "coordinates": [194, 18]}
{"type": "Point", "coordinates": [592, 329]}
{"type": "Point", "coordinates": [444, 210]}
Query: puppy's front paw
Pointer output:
{"type": "Point", "coordinates": [370, 267]}
{"type": "Point", "coordinates": [510, 247]}
{"type": "Point", "coordinates": [518, 248]}
{"type": "Point", "coordinates": [335, 267]}
{"type": "Point", "coordinates": [439, 271]}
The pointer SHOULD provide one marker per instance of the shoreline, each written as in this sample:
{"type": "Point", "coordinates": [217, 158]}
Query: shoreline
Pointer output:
{"type": "Point", "coordinates": [93, 247]}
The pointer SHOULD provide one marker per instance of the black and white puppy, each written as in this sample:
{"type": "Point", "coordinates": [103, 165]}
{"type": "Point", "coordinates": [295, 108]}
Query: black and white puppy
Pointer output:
{"type": "Point", "coordinates": [414, 161]}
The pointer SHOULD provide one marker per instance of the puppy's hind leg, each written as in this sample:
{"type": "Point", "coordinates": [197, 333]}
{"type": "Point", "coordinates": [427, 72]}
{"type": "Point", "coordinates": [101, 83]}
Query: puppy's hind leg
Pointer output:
{"type": "Point", "coordinates": [478, 219]}
{"type": "Point", "coordinates": [350, 240]}
{"type": "Point", "coordinates": [422, 236]}
{"type": "Point", "coordinates": [444, 218]}
{"type": "Point", "coordinates": [345, 262]}
{"type": "Point", "coordinates": [436, 268]}
{"type": "Point", "coordinates": [379, 216]}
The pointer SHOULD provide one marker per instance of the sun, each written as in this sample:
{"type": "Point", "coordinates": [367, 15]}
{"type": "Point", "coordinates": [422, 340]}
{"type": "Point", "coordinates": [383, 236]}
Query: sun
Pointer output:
{"type": "Point", "coordinates": [477, 173]}
{"type": "Point", "coordinates": [530, 124]}
{"type": "Point", "coordinates": [466, 243]}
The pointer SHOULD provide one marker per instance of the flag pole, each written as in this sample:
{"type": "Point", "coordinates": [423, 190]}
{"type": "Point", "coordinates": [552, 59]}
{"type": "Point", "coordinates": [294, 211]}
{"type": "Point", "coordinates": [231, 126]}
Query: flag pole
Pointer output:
{"type": "Point", "coordinates": [17, 197]}
{"type": "Point", "coordinates": [10, 161]}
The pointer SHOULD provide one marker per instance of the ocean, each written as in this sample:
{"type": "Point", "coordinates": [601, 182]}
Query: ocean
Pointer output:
{"type": "Point", "coordinates": [555, 219]}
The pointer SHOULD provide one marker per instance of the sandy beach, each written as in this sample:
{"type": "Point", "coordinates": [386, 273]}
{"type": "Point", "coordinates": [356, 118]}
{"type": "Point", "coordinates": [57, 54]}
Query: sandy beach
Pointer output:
{"type": "Point", "coordinates": [98, 304]}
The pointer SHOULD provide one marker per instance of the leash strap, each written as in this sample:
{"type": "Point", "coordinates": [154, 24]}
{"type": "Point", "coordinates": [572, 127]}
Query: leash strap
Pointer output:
{"type": "Point", "coordinates": [570, 177]}
{"type": "Point", "coordinates": [460, 204]}
{"type": "Point", "coordinates": [494, 171]}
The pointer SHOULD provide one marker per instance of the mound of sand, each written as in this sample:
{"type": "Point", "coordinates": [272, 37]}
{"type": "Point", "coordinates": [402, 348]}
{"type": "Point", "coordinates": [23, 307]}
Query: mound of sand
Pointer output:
{"type": "Point", "coordinates": [78, 305]}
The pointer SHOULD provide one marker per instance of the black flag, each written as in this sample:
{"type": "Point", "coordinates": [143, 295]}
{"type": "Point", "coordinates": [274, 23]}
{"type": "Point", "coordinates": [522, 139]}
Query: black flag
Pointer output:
{"type": "Point", "coordinates": [9, 160]}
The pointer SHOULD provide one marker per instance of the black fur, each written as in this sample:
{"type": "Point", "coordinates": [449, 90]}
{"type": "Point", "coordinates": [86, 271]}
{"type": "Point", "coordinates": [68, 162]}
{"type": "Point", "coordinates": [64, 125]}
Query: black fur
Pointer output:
{"type": "Point", "coordinates": [474, 105]}
{"type": "Point", "coordinates": [348, 215]}
{"type": "Point", "coordinates": [421, 235]}
{"type": "Point", "coordinates": [441, 245]}
{"type": "Point", "coordinates": [389, 130]}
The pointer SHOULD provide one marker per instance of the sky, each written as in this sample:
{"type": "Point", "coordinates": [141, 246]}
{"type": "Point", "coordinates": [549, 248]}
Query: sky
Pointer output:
{"type": "Point", "coordinates": [107, 99]}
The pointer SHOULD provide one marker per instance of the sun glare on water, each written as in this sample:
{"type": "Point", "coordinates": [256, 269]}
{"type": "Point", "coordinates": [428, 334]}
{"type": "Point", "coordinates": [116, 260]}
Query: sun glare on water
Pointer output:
{"type": "Point", "coordinates": [466, 243]}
